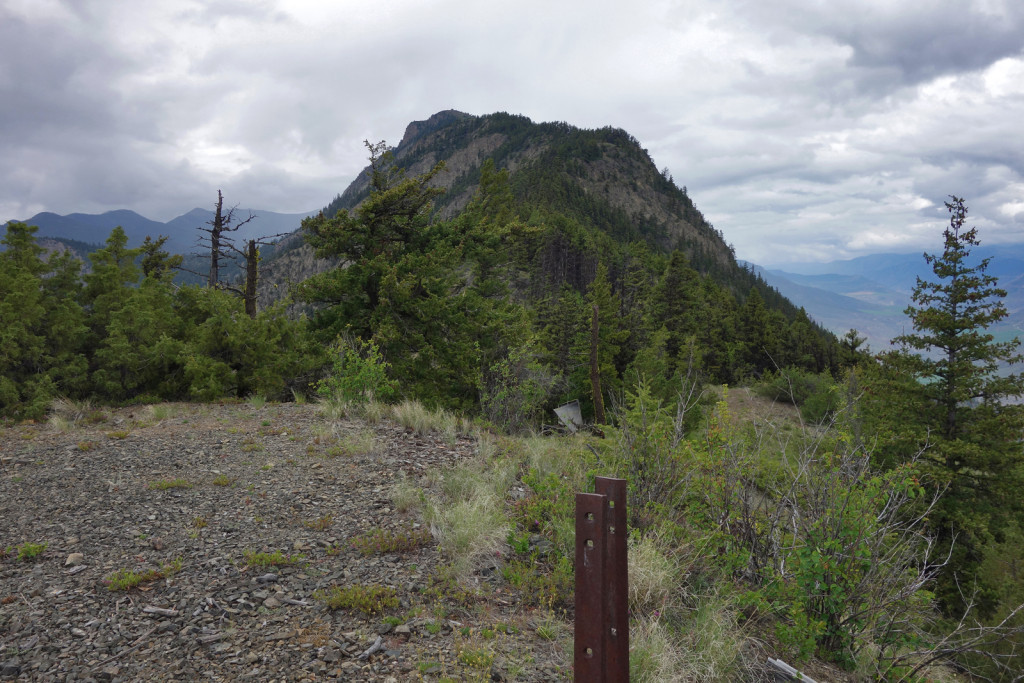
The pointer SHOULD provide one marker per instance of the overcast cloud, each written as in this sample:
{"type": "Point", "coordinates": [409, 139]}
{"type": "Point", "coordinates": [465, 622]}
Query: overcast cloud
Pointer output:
{"type": "Point", "coordinates": [803, 130]}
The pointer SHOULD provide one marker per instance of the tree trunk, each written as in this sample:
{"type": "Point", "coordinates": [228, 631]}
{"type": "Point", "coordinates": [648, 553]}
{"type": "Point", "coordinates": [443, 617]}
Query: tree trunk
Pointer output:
{"type": "Point", "coordinates": [595, 369]}
{"type": "Point", "coordinates": [252, 260]}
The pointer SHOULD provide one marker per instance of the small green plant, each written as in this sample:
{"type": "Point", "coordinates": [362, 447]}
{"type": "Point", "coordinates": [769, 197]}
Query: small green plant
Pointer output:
{"type": "Point", "coordinates": [257, 401]}
{"type": "Point", "coordinates": [432, 627]}
{"type": "Point", "coordinates": [362, 442]}
{"type": "Point", "coordinates": [251, 446]}
{"type": "Point", "coordinates": [118, 434]}
{"type": "Point", "coordinates": [332, 549]}
{"type": "Point", "coordinates": [199, 523]}
{"type": "Point", "coordinates": [392, 621]}
{"type": "Point", "coordinates": [124, 579]}
{"type": "Point", "coordinates": [548, 627]}
{"type": "Point", "coordinates": [86, 445]}
{"type": "Point", "coordinates": [389, 541]}
{"type": "Point", "coordinates": [30, 551]}
{"type": "Point", "coordinates": [159, 412]}
{"type": "Point", "coordinates": [366, 599]}
{"type": "Point", "coordinates": [222, 480]}
{"type": "Point", "coordinates": [476, 657]}
{"type": "Point", "coordinates": [428, 667]}
{"type": "Point", "coordinates": [165, 484]}
{"type": "Point", "coordinates": [273, 559]}
{"type": "Point", "coordinates": [320, 524]}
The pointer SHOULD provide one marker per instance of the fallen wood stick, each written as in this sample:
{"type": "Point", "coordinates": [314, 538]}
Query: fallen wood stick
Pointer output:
{"type": "Point", "coordinates": [161, 611]}
{"type": "Point", "coordinates": [780, 668]}
{"type": "Point", "coordinates": [138, 643]}
{"type": "Point", "coordinates": [377, 645]}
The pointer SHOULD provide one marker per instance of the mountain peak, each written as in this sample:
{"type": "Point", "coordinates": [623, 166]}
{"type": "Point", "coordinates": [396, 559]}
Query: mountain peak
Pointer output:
{"type": "Point", "coordinates": [418, 129]}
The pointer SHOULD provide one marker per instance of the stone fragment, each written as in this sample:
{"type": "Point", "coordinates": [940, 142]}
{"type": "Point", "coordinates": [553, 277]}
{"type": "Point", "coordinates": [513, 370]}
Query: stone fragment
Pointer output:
{"type": "Point", "coordinates": [74, 559]}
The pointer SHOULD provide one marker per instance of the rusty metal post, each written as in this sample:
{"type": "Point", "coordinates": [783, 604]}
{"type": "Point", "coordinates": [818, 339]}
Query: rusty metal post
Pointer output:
{"type": "Point", "coordinates": [616, 635]}
{"type": "Point", "coordinates": [588, 642]}
{"type": "Point", "coordinates": [601, 643]}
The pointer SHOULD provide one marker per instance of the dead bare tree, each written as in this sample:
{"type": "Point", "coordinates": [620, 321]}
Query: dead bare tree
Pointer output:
{"type": "Point", "coordinates": [251, 254]}
{"type": "Point", "coordinates": [220, 245]}
{"type": "Point", "coordinates": [219, 237]}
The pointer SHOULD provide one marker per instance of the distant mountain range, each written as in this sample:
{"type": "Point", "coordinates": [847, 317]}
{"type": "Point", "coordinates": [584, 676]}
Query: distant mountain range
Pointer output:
{"type": "Point", "coordinates": [182, 232]}
{"type": "Point", "coordinates": [870, 293]}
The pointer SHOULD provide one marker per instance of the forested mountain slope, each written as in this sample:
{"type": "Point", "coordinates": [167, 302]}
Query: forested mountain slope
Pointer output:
{"type": "Point", "coordinates": [602, 180]}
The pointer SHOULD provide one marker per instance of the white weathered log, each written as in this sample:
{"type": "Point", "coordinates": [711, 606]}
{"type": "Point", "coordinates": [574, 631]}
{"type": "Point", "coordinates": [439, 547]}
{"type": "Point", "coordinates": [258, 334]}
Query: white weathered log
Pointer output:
{"type": "Point", "coordinates": [161, 611]}
{"type": "Point", "coordinates": [791, 674]}
{"type": "Point", "coordinates": [377, 645]}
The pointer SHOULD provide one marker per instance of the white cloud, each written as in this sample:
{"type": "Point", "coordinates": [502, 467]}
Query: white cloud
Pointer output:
{"type": "Point", "coordinates": [801, 130]}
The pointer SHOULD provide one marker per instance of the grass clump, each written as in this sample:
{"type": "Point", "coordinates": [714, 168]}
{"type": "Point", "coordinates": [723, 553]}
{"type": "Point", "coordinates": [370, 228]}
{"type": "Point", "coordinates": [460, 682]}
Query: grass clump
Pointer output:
{"type": "Point", "coordinates": [407, 496]}
{"type": "Point", "coordinates": [66, 414]}
{"type": "Point", "coordinates": [421, 420]}
{"type": "Point", "coordinates": [365, 599]}
{"type": "Point", "coordinates": [256, 401]}
{"type": "Point", "coordinates": [363, 442]}
{"type": "Point", "coordinates": [652, 574]}
{"type": "Point", "coordinates": [319, 524]}
{"type": "Point", "coordinates": [390, 541]}
{"type": "Point", "coordinates": [273, 559]}
{"type": "Point", "coordinates": [468, 518]}
{"type": "Point", "coordinates": [165, 484]}
{"type": "Point", "coordinates": [222, 480]}
{"type": "Point", "coordinates": [124, 579]}
{"type": "Point", "coordinates": [158, 412]}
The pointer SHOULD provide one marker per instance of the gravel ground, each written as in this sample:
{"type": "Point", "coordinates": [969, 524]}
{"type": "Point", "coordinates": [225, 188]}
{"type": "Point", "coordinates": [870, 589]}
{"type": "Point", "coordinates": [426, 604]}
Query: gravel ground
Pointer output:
{"type": "Point", "coordinates": [276, 478]}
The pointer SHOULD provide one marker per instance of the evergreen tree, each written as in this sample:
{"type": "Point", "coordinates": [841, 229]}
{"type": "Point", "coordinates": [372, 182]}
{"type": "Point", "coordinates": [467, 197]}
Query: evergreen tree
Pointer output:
{"type": "Point", "coordinates": [760, 332]}
{"type": "Point", "coordinates": [962, 411]}
{"type": "Point", "coordinates": [23, 311]}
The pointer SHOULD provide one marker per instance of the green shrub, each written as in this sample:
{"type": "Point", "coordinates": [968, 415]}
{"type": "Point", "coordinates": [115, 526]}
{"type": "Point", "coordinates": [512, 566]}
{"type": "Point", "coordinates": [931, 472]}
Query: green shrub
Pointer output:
{"type": "Point", "coordinates": [359, 373]}
{"type": "Point", "coordinates": [366, 599]}
{"type": "Point", "coordinates": [514, 390]}
{"type": "Point", "coordinates": [30, 551]}
{"type": "Point", "coordinates": [812, 393]}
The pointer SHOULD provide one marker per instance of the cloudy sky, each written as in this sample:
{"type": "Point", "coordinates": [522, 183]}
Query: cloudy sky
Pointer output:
{"type": "Point", "coordinates": [804, 130]}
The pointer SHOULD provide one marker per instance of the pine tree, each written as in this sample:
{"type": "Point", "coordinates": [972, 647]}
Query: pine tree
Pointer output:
{"type": "Point", "coordinates": [972, 432]}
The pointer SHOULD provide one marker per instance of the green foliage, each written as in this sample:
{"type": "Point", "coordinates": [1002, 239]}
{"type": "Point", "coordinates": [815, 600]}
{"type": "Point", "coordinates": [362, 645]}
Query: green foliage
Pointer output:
{"type": "Point", "coordinates": [945, 380]}
{"type": "Point", "coordinates": [647, 447]}
{"type": "Point", "coordinates": [165, 484]}
{"type": "Point", "coordinates": [366, 599]}
{"type": "Point", "coordinates": [30, 551]}
{"type": "Point", "coordinates": [276, 558]}
{"type": "Point", "coordinates": [381, 541]}
{"type": "Point", "coordinates": [814, 394]}
{"type": "Point", "coordinates": [125, 580]}
{"type": "Point", "coordinates": [358, 373]}
{"type": "Point", "coordinates": [514, 389]}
